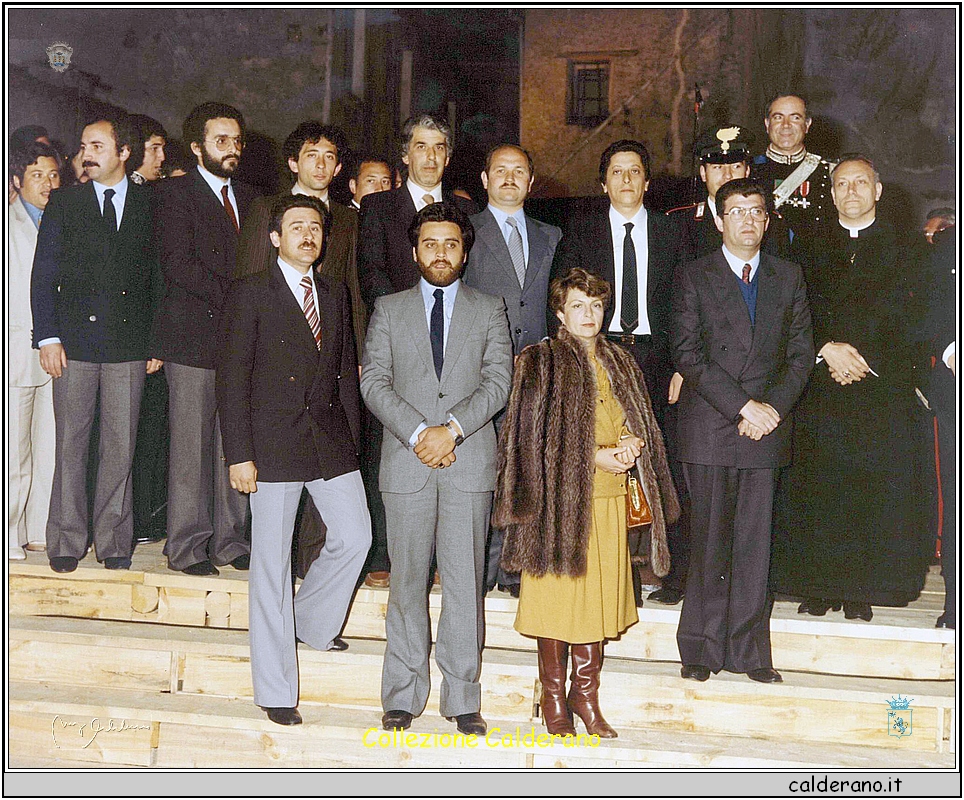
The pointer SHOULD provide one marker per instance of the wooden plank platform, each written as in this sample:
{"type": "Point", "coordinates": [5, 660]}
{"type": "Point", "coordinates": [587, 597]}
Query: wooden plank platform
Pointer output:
{"type": "Point", "coordinates": [899, 643]}
{"type": "Point", "coordinates": [199, 662]}
{"type": "Point", "coordinates": [52, 725]}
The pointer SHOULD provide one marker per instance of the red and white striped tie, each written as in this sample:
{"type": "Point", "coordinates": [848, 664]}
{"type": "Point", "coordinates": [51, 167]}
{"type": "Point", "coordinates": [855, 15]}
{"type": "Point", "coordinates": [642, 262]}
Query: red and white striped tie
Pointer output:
{"type": "Point", "coordinates": [311, 314]}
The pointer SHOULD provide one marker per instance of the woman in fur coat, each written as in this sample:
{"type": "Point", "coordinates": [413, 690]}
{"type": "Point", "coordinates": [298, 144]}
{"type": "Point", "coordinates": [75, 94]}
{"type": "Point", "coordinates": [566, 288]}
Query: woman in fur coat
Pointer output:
{"type": "Point", "coordinates": [578, 418]}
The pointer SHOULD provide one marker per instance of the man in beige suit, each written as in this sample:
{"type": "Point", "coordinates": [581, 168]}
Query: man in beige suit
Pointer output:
{"type": "Point", "coordinates": [436, 369]}
{"type": "Point", "coordinates": [35, 173]}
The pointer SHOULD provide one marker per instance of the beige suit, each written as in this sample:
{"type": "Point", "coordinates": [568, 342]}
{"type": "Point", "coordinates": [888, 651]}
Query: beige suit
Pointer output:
{"type": "Point", "coordinates": [30, 417]}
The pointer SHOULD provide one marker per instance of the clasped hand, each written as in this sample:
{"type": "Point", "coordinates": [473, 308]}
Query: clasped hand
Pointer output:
{"type": "Point", "coordinates": [435, 447]}
{"type": "Point", "coordinates": [759, 419]}
{"type": "Point", "coordinates": [845, 363]}
{"type": "Point", "coordinates": [620, 458]}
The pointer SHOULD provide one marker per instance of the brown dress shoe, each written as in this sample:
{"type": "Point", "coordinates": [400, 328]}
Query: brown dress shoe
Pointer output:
{"type": "Point", "coordinates": [378, 579]}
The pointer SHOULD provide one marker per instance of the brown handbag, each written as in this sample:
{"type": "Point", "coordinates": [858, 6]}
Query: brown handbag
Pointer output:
{"type": "Point", "coordinates": [638, 512]}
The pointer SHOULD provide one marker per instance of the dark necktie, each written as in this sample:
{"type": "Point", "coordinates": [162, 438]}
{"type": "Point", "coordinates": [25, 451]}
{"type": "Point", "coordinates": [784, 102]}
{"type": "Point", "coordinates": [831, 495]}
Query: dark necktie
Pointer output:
{"type": "Point", "coordinates": [110, 213]}
{"type": "Point", "coordinates": [746, 274]}
{"type": "Point", "coordinates": [229, 208]}
{"type": "Point", "coordinates": [629, 313]}
{"type": "Point", "coordinates": [436, 332]}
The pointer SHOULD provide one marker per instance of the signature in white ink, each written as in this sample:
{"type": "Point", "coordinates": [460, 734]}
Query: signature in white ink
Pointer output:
{"type": "Point", "coordinates": [86, 732]}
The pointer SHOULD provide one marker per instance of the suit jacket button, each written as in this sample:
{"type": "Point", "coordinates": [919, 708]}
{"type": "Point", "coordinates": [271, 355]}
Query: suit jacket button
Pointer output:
{"type": "Point", "coordinates": [723, 347]}
{"type": "Point", "coordinates": [518, 330]}
{"type": "Point", "coordinates": [93, 318]}
{"type": "Point", "coordinates": [522, 303]}
{"type": "Point", "coordinates": [292, 379]}
{"type": "Point", "coordinates": [124, 292]}
{"type": "Point", "coordinates": [440, 395]}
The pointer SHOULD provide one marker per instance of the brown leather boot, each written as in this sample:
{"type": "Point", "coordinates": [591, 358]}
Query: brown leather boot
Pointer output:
{"type": "Point", "coordinates": [553, 655]}
{"type": "Point", "coordinates": [584, 690]}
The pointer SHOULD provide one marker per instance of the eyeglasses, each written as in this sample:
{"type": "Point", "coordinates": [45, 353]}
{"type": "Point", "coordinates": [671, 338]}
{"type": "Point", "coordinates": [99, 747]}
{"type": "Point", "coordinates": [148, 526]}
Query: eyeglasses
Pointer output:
{"type": "Point", "coordinates": [223, 142]}
{"type": "Point", "coordinates": [739, 214]}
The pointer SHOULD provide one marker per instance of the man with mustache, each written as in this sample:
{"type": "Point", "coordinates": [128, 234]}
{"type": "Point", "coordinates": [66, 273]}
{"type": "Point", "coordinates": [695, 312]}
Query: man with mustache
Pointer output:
{"type": "Point", "coordinates": [512, 260]}
{"type": "Point", "coordinates": [34, 174]}
{"type": "Point", "coordinates": [287, 386]}
{"type": "Point", "coordinates": [199, 220]}
{"type": "Point", "coordinates": [93, 291]}
{"type": "Point", "coordinates": [436, 369]}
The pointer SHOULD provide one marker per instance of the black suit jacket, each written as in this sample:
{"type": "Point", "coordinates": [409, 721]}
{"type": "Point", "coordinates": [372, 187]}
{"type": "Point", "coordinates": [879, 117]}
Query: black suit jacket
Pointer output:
{"type": "Point", "coordinates": [198, 249]}
{"type": "Point", "coordinates": [97, 293]}
{"type": "Point", "coordinates": [385, 263]}
{"type": "Point", "coordinates": [725, 361]}
{"type": "Point", "coordinates": [588, 243]}
{"type": "Point", "coordinates": [291, 409]}
{"type": "Point", "coordinates": [337, 260]}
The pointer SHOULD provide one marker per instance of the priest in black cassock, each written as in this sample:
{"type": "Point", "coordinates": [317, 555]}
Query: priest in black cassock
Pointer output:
{"type": "Point", "coordinates": [849, 526]}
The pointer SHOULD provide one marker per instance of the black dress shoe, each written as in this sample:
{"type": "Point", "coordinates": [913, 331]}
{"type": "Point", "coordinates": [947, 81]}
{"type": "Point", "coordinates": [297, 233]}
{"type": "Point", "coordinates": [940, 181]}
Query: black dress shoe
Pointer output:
{"type": "Point", "coordinates": [242, 562]}
{"type": "Point", "coordinates": [668, 596]}
{"type": "Point", "coordinates": [858, 611]}
{"type": "Point", "coordinates": [338, 644]}
{"type": "Point", "coordinates": [817, 606]}
{"type": "Point", "coordinates": [63, 563]}
{"type": "Point", "coordinates": [470, 724]}
{"type": "Point", "coordinates": [946, 620]}
{"type": "Point", "coordinates": [117, 562]}
{"type": "Point", "coordinates": [283, 716]}
{"type": "Point", "coordinates": [149, 536]}
{"type": "Point", "coordinates": [400, 720]}
{"type": "Point", "coordinates": [201, 568]}
{"type": "Point", "coordinates": [765, 675]}
{"type": "Point", "coordinates": [695, 672]}
{"type": "Point", "coordinates": [511, 588]}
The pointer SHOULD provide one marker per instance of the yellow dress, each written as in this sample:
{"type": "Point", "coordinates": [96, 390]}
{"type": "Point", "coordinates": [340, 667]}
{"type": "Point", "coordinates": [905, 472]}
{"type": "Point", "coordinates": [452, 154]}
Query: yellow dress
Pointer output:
{"type": "Point", "coordinates": [598, 605]}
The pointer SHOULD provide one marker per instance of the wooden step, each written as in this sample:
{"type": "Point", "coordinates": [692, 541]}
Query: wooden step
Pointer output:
{"type": "Point", "coordinates": [898, 643]}
{"type": "Point", "coordinates": [634, 694]}
{"type": "Point", "coordinates": [58, 726]}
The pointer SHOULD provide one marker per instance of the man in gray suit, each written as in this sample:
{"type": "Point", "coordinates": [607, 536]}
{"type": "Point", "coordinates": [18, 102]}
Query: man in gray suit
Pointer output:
{"type": "Point", "coordinates": [512, 259]}
{"type": "Point", "coordinates": [436, 369]}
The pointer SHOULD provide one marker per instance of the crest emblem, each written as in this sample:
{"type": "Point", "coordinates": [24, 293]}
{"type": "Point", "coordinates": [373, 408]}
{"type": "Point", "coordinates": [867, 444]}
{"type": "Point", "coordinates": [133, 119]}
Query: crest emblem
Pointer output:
{"type": "Point", "coordinates": [900, 717]}
{"type": "Point", "coordinates": [59, 54]}
{"type": "Point", "coordinates": [727, 135]}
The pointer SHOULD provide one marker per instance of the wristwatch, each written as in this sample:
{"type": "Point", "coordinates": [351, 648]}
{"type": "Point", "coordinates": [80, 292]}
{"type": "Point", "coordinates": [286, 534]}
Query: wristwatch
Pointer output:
{"type": "Point", "coordinates": [455, 433]}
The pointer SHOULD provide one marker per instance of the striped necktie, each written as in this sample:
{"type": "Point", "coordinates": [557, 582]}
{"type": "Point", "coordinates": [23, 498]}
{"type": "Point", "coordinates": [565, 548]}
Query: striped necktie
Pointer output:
{"type": "Point", "coordinates": [311, 314]}
{"type": "Point", "coordinates": [517, 251]}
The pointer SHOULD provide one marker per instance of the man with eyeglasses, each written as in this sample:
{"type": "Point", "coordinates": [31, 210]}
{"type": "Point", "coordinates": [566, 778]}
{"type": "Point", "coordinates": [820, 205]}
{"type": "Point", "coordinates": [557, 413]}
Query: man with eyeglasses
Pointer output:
{"type": "Point", "coordinates": [742, 340]}
{"type": "Point", "coordinates": [199, 220]}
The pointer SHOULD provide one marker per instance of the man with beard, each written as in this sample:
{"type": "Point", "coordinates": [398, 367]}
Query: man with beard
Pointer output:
{"type": "Point", "coordinates": [799, 181]}
{"type": "Point", "coordinates": [199, 216]}
{"type": "Point", "coordinates": [436, 369]}
{"type": "Point", "coordinates": [512, 260]}
{"type": "Point", "coordinates": [93, 291]}
{"type": "Point", "coordinates": [287, 386]}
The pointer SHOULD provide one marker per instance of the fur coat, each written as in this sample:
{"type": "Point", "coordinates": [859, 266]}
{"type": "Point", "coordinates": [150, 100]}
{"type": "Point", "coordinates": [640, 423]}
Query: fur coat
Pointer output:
{"type": "Point", "coordinates": [547, 447]}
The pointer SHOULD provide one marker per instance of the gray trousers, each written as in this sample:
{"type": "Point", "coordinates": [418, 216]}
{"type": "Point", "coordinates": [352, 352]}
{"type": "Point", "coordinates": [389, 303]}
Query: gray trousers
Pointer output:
{"type": "Point", "coordinates": [206, 518]}
{"type": "Point", "coordinates": [119, 387]}
{"type": "Point", "coordinates": [317, 613]}
{"type": "Point", "coordinates": [453, 524]}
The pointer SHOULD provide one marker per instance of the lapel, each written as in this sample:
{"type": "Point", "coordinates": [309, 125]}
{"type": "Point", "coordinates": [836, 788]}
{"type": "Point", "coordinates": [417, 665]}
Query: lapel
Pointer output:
{"type": "Point", "coordinates": [405, 210]}
{"type": "Point", "coordinates": [463, 321]}
{"type": "Point", "coordinates": [604, 237]}
{"type": "Point", "coordinates": [768, 292]}
{"type": "Point", "coordinates": [133, 205]}
{"type": "Point", "coordinates": [490, 233]}
{"type": "Point", "coordinates": [211, 206]}
{"type": "Point", "coordinates": [538, 249]}
{"type": "Point", "coordinates": [729, 298]}
{"type": "Point", "coordinates": [294, 317]}
{"type": "Point", "coordinates": [414, 319]}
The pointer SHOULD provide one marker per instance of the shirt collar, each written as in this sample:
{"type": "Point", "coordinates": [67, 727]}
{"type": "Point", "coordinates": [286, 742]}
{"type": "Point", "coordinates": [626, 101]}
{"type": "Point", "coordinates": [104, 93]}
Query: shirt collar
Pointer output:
{"type": "Point", "coordinates": [298, 189]}
{"type": "Point", "coordinates": [428, 292]}
{"type": "Point", "coordinates": [32, 211]}
{"type": "Point", "coordinates": [417, 192]}
{"type": "Point", "coordinates": [854, 230]}
{"type": "Point", "coordinates": [736, 263]}
{"type": "Point", "coordinates": [294, 277]}
{"type": "Point", "coordinates": [617, 220]}
{"type": "Point", "coordinates": [120, 192]}
{"type": "Point", "coordinates": [213, 181]}
{"type": "Point", "coordinates": [501, 217]}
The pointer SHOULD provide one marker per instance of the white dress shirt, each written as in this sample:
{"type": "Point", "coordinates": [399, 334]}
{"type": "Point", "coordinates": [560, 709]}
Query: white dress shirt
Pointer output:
{"type": "Point", "coordinates": [417, 192]}
{"type": "Point", "coordinates": [736, 264]}
{"type": "Point", "coordinates": [294, 277]}
{"type": "Point", "coordinates": [640, 236]}
{"type": "Point", "coordinates": [520, 218]}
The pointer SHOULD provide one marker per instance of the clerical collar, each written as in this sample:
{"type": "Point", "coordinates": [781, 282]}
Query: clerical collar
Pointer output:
{"type": "Point", "coordinates": [855, 230]}
{"type": "Point", "coordinates": [779, 158]}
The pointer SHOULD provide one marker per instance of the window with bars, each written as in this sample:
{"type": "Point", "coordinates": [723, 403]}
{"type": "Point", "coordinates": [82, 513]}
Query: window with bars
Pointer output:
{"type": "Point", "coordinates": [588, 92]}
